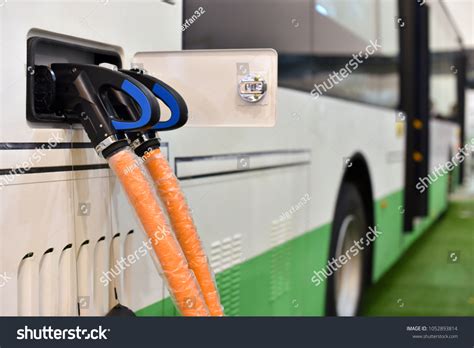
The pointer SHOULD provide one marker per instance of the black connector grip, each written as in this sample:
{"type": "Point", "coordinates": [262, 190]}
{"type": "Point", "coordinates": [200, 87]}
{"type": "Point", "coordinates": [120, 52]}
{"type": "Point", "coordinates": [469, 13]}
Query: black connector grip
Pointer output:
{"type": "Point", "coordinates": [80, 90]}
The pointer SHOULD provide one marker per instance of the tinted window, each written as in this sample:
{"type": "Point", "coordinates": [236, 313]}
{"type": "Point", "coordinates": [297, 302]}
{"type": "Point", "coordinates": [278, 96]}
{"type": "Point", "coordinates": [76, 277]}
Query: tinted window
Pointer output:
{"type": "Point", "coordinates": [316, 42]}
{"type": "Point", "coordinates": [444, 49]}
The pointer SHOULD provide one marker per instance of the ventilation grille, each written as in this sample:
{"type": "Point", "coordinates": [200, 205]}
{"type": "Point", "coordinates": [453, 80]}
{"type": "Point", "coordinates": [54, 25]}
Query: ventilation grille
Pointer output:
{"type": "Point", "coordinates": [61, 283]}
{"type": "Point", "coordinates": [46, 283]}
{"type": "Point", "coordinates": [280, 233]}
{"type": "Point", "coordinates": [226, 256]}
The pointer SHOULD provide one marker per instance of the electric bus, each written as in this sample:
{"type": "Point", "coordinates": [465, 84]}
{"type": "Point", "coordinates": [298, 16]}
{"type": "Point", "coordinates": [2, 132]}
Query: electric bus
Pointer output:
{"type": "Point", "coordinates": [370, 103]}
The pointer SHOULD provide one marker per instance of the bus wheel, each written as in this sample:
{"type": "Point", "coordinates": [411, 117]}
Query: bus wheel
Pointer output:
{"type": "Point", "coordinates": [345, 285]}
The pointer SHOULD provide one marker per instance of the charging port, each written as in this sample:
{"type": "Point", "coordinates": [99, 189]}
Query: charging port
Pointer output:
{"type": "Point", "coordinates": [40, 94]}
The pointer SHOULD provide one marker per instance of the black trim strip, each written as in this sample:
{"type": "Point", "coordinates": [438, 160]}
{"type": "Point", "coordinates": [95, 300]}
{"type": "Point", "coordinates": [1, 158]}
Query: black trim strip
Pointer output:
{"type": "Point", "coordinates": [414, 101]}
{"type": "Point", "coordinates": [461, 63]}
{"type": "Point", "coordinates": [34, 146]}
{"type": "Point", "coordinates": [240, 154]}
{"type": "Point", "coordinates": [62, 146]}
{"type": "Point", "coordinates": [200, 176]}
{"type": "Point", "coordinates": [52, 169]}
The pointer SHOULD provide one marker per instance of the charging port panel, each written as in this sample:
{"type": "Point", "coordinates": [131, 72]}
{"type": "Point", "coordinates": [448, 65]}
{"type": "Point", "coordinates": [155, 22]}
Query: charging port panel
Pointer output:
{"type": "Point", "coordinates": [41, 53]}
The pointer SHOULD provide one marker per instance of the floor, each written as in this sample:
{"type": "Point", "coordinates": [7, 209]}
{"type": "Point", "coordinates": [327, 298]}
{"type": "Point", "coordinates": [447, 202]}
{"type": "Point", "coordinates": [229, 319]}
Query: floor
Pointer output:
{"type": "Point", "coordinates": [436, 275]}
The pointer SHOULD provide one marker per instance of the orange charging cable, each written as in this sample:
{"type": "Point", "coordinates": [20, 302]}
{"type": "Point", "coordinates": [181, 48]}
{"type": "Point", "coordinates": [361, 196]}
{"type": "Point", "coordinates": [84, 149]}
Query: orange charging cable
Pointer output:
{"type": "Point", "coordinates": [183, 225]}
{"type": "Point", "coordinates": [180, 279]}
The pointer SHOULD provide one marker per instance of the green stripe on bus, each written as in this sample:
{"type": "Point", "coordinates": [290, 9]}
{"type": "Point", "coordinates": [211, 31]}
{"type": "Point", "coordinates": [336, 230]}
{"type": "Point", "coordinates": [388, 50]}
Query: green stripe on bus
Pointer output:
{"type": "Point", "coordinates": [278, 282]}
{"type": "Point", "coordinates": [392, 243]}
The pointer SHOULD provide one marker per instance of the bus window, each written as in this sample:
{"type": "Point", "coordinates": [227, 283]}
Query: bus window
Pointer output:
{"type": "Point", "coordinates": [360, 17]}
{"type": "Point", "coordinates": [444, 49]}
{"type": "Point", "coordinates": [308, 56]}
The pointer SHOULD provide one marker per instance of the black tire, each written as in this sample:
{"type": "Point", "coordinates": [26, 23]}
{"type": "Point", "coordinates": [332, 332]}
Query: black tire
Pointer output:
{"type": "Point", "coordinates": [451, 184]}
{"type": "Point", "coordinates": [350, 210]}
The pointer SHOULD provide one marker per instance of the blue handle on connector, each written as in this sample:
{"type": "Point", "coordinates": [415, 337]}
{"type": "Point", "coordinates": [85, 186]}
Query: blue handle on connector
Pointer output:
{"type": "Point", "coordinates": [145, 107]}
{"type": "Point", "coordinates": [164, 95]}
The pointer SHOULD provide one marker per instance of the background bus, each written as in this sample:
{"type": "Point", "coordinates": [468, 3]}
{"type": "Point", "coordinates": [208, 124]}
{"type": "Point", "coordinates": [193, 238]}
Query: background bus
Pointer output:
{"type": "Point", "coordinates": [388, 121]}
